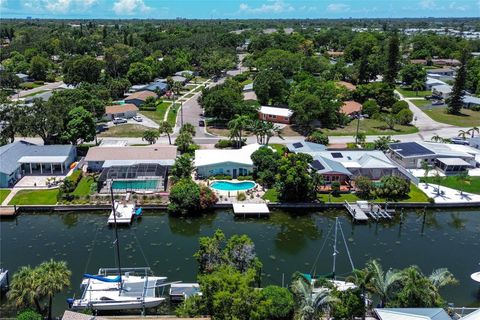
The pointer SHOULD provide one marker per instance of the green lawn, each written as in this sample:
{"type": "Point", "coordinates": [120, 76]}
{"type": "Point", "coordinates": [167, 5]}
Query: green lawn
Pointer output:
{"type": "Point", "coordinates": [280, 148]}
{"type": "Point", "coordinates": [172, 114]}
{"type": "Point", "coordinates": [35, 93]}
{"type": "Point", "coordinates": [472, 184]}
{"type": "Point", "coordinates": [199, 89]}
{"type": "Point", "coordinates": [29, 85]}
{"type": "Point", "coordinates": [422, 104]}
{"type": "Point", "coordinates": [83, 187]}
{"type": "Point", "coordinates": [159, 114]}
{"type": "Point", "coordinates": [125, 130]}
{"type": "Point", "coordinates": [33, 197]}
{"type": "Point", "coordinates": [370, 127]}
{"type": "Point", "coordinates": [407, 93]}
{"type": "Point", "coordinates": [4, 194]}
{"type": "Point", "coordinates": [415, 195]}
{"type": "Point", "coordinates": [467, 117]}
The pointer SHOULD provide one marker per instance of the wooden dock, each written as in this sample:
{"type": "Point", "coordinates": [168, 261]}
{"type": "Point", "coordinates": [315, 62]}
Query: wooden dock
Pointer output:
{"type": "Point", "coordinates": [250, 209]}
{"type": "Point", "coordinates": [8, 211]}
{"type": "Point", "coordinates": [356, 211]}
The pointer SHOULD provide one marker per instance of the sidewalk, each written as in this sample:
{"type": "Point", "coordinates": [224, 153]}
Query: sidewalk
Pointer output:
{"type": "Point", "coordinates": [447, 195]}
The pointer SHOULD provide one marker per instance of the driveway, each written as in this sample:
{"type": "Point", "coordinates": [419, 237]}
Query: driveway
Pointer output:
{"type": "Point", "coordinates": [146, 122]}
{"type": "Point", "coordinates": [48, 86]}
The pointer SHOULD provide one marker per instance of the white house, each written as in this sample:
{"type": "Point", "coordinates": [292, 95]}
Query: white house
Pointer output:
{"type": "Point", "coordinates": [443, 90]}
{"type": "Point", "coordinates": [432, 82]}
{"type": "Point", "coordinates": [233, 162]}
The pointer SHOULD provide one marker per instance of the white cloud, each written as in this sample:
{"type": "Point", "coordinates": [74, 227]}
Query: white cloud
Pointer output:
{"type": "Point", "coordinates": [58, 6]}
{"type": "Point", "coordinates": [428, 4]}
{"type": "Point", "coordinates": [130, 7]}
{"type": "Point", "coordinates": [456, 6]}
{"type": "Point", "coordinates": [272, 6]}
{"type": "Point", "coordinates": [338, 7]}
{"type": "Point", "coordinates": [3, 3]}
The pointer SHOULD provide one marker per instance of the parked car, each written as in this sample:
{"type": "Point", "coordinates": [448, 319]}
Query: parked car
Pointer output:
{"type": "Point", "coordinates": [137, 118]}
{"type": "Point", "coordinates": [433, 97]}
{"type": "Point", "coordinates": [437, 102]}
{"type": "Point", "coordinates": [458, 140]}
{"type": "Point", "coordinates": [119, 120]}
{"type": "Point", "coordinates": [201, 123]}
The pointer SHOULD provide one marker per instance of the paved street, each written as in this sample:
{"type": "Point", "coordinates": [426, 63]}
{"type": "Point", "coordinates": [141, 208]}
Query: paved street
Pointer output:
{"type": "Point", "coordinates": [48, 86]}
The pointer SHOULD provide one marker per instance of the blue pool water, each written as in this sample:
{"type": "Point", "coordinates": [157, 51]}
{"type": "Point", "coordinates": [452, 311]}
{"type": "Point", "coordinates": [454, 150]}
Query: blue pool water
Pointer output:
{"type": "Point", "coordinates": [232, 186]}
{"type": "Point", "coordinates": [135, 184]}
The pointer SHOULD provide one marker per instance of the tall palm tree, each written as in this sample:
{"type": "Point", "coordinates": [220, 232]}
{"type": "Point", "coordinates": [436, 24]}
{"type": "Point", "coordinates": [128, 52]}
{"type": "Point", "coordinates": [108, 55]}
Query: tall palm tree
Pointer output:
{"type": "Point", "coordinates": [311, 303]}
{"type": "Point", "coordinates": [426, 169]}
{"type": "Point", "coordinates": [23, 289]}
{"type": "Point", "coordinates": [442, 277]}
{"type": "Point", "coordinates": [382, 282]}
{"type": "Point", "coordinates": [362, 279]}
{"type": "Point", "coordinates": [417, 85]}
{"type": "Point", "coordinates": [416, 290]}
{"type": "Point", "coordinates": [463, 134]}
{"type": "Point", "coordinates": [473, 130]}
{"type": "Point", "coordinates": [54, 276]}
{"type": "Point", "coordinates": [237, 126]}
{"type": "Point", "coordinates": [271, 130]}
{"type": "Point", "coordinates": [166, 128]}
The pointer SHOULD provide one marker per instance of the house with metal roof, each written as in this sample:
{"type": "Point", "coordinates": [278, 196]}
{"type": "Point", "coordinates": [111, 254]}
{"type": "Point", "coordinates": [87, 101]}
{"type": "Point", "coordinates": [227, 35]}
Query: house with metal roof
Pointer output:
{"type": "Point", "coordinates": [305, 147]}
{"type": "Point", "coordinates": [233, 162]}
{"type": "Point", "coordinates": [443, 90]}
{"type": "Point", "coordinates": [138, 98]}
{"type": "Point", "coordinates": [275, 114]}
{"type": "Point", "coordinates": [448, 158]}
{"type": "Point", "coordinates": [22, 158]}
{"type": "Point", "coordinates": [411, 314]}
{"type": "Point", "coordinates": [157, 86]}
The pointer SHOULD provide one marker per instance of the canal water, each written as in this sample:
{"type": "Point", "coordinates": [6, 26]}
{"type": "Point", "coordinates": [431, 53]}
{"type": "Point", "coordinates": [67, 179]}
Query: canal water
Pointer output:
{"type": "Point", "coordinates": [286, 242]}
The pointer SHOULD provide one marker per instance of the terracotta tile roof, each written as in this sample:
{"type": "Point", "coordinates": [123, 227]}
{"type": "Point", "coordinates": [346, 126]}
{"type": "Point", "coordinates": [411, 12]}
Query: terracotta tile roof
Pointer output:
{"type": "Point", "coordinates": [141, 95]}
{"type": "Point", "coordinates": [350, 107]}
{"type": "Point", "coordinates": [120, 108]}
{"type": "Point", "coordinates": [335, 53]}
{"type": "Point", "coordinates": [418, 61]}
{"type": "Point", "coordinates": [348, 85]}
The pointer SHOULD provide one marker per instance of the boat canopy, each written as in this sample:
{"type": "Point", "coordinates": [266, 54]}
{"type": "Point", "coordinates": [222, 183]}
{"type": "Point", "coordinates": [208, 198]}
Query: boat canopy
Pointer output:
{"type": "Point", "coordinates": [104, 279]}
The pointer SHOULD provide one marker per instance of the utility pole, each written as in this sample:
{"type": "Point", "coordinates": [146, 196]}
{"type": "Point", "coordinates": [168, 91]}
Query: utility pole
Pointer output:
{"type": "Point", "coordinates": [181, 114]}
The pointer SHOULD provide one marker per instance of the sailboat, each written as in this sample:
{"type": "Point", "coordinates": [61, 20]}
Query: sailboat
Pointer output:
{"type": "Point", "coordinates": [340, 285]}
{"type": "Point", "coordinates": [119, 288]}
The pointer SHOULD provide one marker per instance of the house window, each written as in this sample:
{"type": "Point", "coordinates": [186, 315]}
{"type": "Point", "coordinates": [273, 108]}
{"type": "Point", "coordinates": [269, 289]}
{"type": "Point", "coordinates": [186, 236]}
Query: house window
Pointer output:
{"type": "Point", "coordinates": [286, 118]}
{"type": "Point", "coordinates": [274, 116]}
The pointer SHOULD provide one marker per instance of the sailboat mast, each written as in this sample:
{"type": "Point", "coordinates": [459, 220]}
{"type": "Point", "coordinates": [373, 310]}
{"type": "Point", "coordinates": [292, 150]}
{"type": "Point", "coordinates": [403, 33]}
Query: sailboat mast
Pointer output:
{"type": "Point", "coordinates": [335, 249]}
{"type": "Point", "coordinates": [116, 231]}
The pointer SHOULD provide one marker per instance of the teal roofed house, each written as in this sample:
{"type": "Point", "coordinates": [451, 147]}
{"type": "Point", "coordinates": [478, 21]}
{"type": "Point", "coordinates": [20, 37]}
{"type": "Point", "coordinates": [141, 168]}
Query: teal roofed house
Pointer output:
{"type": "Point", "coordinates": [412, 314]}
{"type": "Point", "coordinates": [22, 158]}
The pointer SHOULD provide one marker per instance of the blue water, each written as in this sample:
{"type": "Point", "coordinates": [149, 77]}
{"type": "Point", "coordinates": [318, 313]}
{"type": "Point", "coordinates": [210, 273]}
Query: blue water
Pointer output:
{"type": "Point", "coordinates": [135, 184]}
{"type": "Point", "coordinates": [232, 186]}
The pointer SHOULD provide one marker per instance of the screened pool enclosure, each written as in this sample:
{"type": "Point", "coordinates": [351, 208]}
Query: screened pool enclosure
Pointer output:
{"type": "Point", "coordinates": [140, 178]}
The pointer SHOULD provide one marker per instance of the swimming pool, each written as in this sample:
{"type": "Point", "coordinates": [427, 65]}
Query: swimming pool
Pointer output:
{"type": "Point", "coordinates": [232, 186]}
{"type": "Point", "coordinates": [135, 184]}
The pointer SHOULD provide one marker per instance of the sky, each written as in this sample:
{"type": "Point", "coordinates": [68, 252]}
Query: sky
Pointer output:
{"type": "Point", "coordinates": [238, 9]}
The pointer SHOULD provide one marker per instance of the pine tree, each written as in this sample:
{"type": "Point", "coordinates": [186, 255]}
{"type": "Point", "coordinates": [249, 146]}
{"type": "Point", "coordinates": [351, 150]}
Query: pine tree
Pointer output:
{"type": "Point", "coordinates": [393, 55]}
{"type": "Point", "coordinates": [456, 99]}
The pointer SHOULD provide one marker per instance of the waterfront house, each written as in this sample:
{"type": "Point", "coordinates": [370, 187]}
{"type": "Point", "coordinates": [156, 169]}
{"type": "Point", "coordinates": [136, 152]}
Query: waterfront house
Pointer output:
{"type": "Point", "coordinates": [448, 158]}
{"type": "Point", "coordinates": [474, 142]}
{"type": "Point", "coordinates": [305, 147]}
{"type": "Point", "coordinates": [140, 169]}
{"type": "Point", "coordinates": [351, 108]}
{"type": "Point", "coordinates": [139, 98]}
{"type": "Point", "coordinates": [411, 314]}
{"type": "Point", "coordinates": [471, 101]}
{"type": "Point", "coordinates": [275, 114]}
{"type": "Point", "coordinates": [127, 110]}
{"type": "Point", "coordinates": [232, 162]}
{"type": "Point", "coordinates": [21, 158]}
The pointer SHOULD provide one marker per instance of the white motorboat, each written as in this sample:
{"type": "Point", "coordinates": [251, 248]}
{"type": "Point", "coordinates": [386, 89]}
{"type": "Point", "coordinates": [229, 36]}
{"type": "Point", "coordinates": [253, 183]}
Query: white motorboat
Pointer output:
{"type": "Point", "coordinates": [4, 283]}
{"type": "Point", "coordinates": [135, 289]}
{"type": "Point", "coordinates": [475, 276]}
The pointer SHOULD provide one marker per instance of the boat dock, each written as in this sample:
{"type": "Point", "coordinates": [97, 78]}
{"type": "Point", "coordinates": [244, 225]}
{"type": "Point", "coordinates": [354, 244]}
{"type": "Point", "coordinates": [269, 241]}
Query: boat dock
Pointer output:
{"type": "Point", "coordinates": [250, 209]}
{"type": "Point", "coordinates": [356, 211]}
{"type": "Point", "coordinates": [124, 213]}
{"type": "Point", "coordinates": [8, 211]}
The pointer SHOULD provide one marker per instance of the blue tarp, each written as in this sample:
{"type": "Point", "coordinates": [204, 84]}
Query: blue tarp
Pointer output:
{"type": "Point", "coordinates": [100, 278]}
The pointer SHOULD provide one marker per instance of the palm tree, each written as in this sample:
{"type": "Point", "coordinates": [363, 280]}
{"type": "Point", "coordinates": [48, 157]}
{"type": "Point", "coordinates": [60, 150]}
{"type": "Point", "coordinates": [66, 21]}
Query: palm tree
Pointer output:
{"type": "Point", "coordinates": [236, 126]}
{"type": "Point", "coordinates": [417, 85]}
{"type": "Point", "coordinates": [442, 277]}
{"type": "Point", "coordinates": [166, 128]}
{"type": "Point", "coordinates": [54, 276]}
{"type": "Point", "coordinates": [463, 134]}
{"type": "Point", "coordinates": [382, 282]}
{"type": "Point", "coordinates": [23, 289]}
{"type": "Point", "coordinates": [150, 136]}
{"type": "Point", "coordinates": [426, 169]}
{"type": "Point", "coordinates": [473, 130]}
{"type": "Point", "coordinates": [436, 138]}
{"type": "Point", "coordinates": [177, 87]}
{"type": "Point", "coordinates": [310, 303]}
{"type": "Point", "coordinates": [271, 130]}
{"type": "Point", "coordinates": [362, 279]}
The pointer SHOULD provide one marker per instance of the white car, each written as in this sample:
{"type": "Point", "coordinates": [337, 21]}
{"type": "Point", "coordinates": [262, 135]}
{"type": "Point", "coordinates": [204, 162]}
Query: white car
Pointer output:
{"type": "Point", "coordinates": [119, 120]}
{"type": "Point", "coordinates": [137, 118]}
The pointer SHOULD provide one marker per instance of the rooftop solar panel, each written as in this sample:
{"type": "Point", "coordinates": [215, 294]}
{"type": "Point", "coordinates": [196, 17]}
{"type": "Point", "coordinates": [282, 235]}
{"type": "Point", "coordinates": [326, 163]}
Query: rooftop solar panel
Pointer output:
{"type": "Point", "coordinates": [297, 145]}
{"type": "Point", "coordinates": [317, 165]}
{"type": "Point", "coordinates": [337, 155]}
{"type": "Point", "coordinates": [408, 149]}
